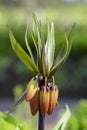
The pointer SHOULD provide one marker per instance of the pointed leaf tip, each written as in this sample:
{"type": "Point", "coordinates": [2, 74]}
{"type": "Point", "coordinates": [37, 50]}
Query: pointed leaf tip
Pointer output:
{"type": "Point", "coordinates": [27, 44]}
{"type": "Point", "coordinates": [64, 119]}
{"type": "Point", "coordinates": [27, 60]}
{"type": "Point", "coordinates": [63, 54]}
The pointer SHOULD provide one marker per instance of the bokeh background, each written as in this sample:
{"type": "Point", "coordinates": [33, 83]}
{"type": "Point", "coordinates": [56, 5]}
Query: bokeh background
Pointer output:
{"type": "Point", "coordinates": [72, 78]}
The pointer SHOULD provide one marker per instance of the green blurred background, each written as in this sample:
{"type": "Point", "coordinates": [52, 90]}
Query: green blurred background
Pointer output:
{"type": "Point", "coordinates": [72, 78]}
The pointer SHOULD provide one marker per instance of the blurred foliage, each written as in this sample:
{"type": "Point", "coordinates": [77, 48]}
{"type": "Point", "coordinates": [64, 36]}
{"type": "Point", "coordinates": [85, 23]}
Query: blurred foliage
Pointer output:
{"type": "Point", "coordinates": [78, 120]}
{"type": "Point", "coordinates": [73, 74]}
{"type": "Point", "coordinates": [17, 91]}
{"type": "Point", "coordinates": [62, 15]}
{"type": "Point", "coordinates": [8, 122]}
{"type": "Point", "coordinates": [23, 114]}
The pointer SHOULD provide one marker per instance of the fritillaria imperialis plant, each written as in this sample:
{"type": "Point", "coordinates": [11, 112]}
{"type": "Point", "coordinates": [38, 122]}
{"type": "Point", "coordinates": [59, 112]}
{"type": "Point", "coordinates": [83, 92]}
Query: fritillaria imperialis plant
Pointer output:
{"type": "Point", "coordinates": [41, 92]}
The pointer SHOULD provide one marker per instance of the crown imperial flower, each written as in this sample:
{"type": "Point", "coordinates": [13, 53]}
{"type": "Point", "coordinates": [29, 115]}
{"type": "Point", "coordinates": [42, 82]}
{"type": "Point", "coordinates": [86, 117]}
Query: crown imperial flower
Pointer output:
{"type": "Point", "coordinates": [42, 92]}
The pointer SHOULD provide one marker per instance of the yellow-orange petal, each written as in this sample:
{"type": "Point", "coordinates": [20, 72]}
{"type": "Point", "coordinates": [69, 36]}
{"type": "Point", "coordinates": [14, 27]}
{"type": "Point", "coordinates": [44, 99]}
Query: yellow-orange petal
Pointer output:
{"type": "Point", "coordinates": [31, 90]}
{"type": "Point", "coordinates": [30, 94]}
{"type": "Point", "coordinates": [44, 101]}
{"type": "Point", "coordinates": [53, 100]}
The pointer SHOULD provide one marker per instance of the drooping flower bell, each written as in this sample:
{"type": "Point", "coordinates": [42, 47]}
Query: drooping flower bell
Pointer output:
{"type": "Point", "coordinates": [32, 95]}
{"type": "Point", "coordinates": [42, 97]}
{"type": "Point", "coordinates": [53, 98]}
{"type": "Point", "coordinates": [32, 88]}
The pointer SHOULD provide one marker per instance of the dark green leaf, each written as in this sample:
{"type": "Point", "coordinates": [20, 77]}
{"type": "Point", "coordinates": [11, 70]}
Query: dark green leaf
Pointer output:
{"type": "Point", "coordinates": [22, 54]}
{"type": "Point", "coordinates": [19, 101]}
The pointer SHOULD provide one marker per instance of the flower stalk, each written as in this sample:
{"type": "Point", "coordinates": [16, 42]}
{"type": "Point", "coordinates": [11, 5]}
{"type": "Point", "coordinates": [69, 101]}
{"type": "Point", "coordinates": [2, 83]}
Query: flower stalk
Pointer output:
{"type": "Point", "coordinates": [41, 122]}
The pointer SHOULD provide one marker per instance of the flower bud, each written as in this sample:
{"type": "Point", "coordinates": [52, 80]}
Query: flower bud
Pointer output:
{"type": "Point", "coordinates": [44, 100]}
{"type": "Point", "coordinates": [34, 103]}
{"type": "Point", "coordinates": [53, 98]}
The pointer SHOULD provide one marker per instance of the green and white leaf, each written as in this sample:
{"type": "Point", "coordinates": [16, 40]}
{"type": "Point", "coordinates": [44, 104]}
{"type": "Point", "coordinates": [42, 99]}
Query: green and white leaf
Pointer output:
{"type": "Point", "coordinates": [48, 51]}
{"type": "Point", "coordinates": [50, 46]}
{"type": "Point", "coordinates": [19, 101]}
{"type": "Point", "coordinates": [44, 62]}
{"type": "Point", "coordinates": [27, 60]}
{"type": "Point", "coordinates": [63, 121]}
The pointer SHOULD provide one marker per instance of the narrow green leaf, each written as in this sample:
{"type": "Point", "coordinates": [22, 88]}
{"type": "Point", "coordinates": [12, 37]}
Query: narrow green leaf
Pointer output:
{"type": "Point", "coordinates": [63, 121]}
{"type": "Point", "coordinates": [37, 31]}
{"type": "Point", "coordinates": [64, 52]}
{"type": "Point", "coordinates": [69, 45]}
{"type": "Point", "coordinates": [34, 40]}
{"type": "Point", "coordinates": [70, 31]}
{"type": "Point", "coordinates": [44, 62]}
{"type": "Point", "coordinates": [60, 57]}
{"type": "Point", "coordinates": [19, 101]}
{"type": "Point", "coordinates": [48, 51]}
{"type": "Point", "coordinates": [50, 46]}
{"type": "Point", "coordinates": [8, 118]}
{"type": "Point", "coordinates": [22, 54]}
{"type": "Point", "coordinates": [27, 44]}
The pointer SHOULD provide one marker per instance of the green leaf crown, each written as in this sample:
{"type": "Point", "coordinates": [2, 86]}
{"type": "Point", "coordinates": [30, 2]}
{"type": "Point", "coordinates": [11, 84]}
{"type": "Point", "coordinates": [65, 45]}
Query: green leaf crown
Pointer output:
{"type": "Point", "coordinates": [46, 64]}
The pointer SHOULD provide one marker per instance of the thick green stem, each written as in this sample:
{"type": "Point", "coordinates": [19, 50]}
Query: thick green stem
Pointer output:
{"type": "Point", "coordinates": [41, 122]}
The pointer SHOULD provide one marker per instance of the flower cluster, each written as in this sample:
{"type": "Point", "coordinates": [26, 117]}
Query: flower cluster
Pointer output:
{"type": "Point", "coordinates": [41, 95]}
